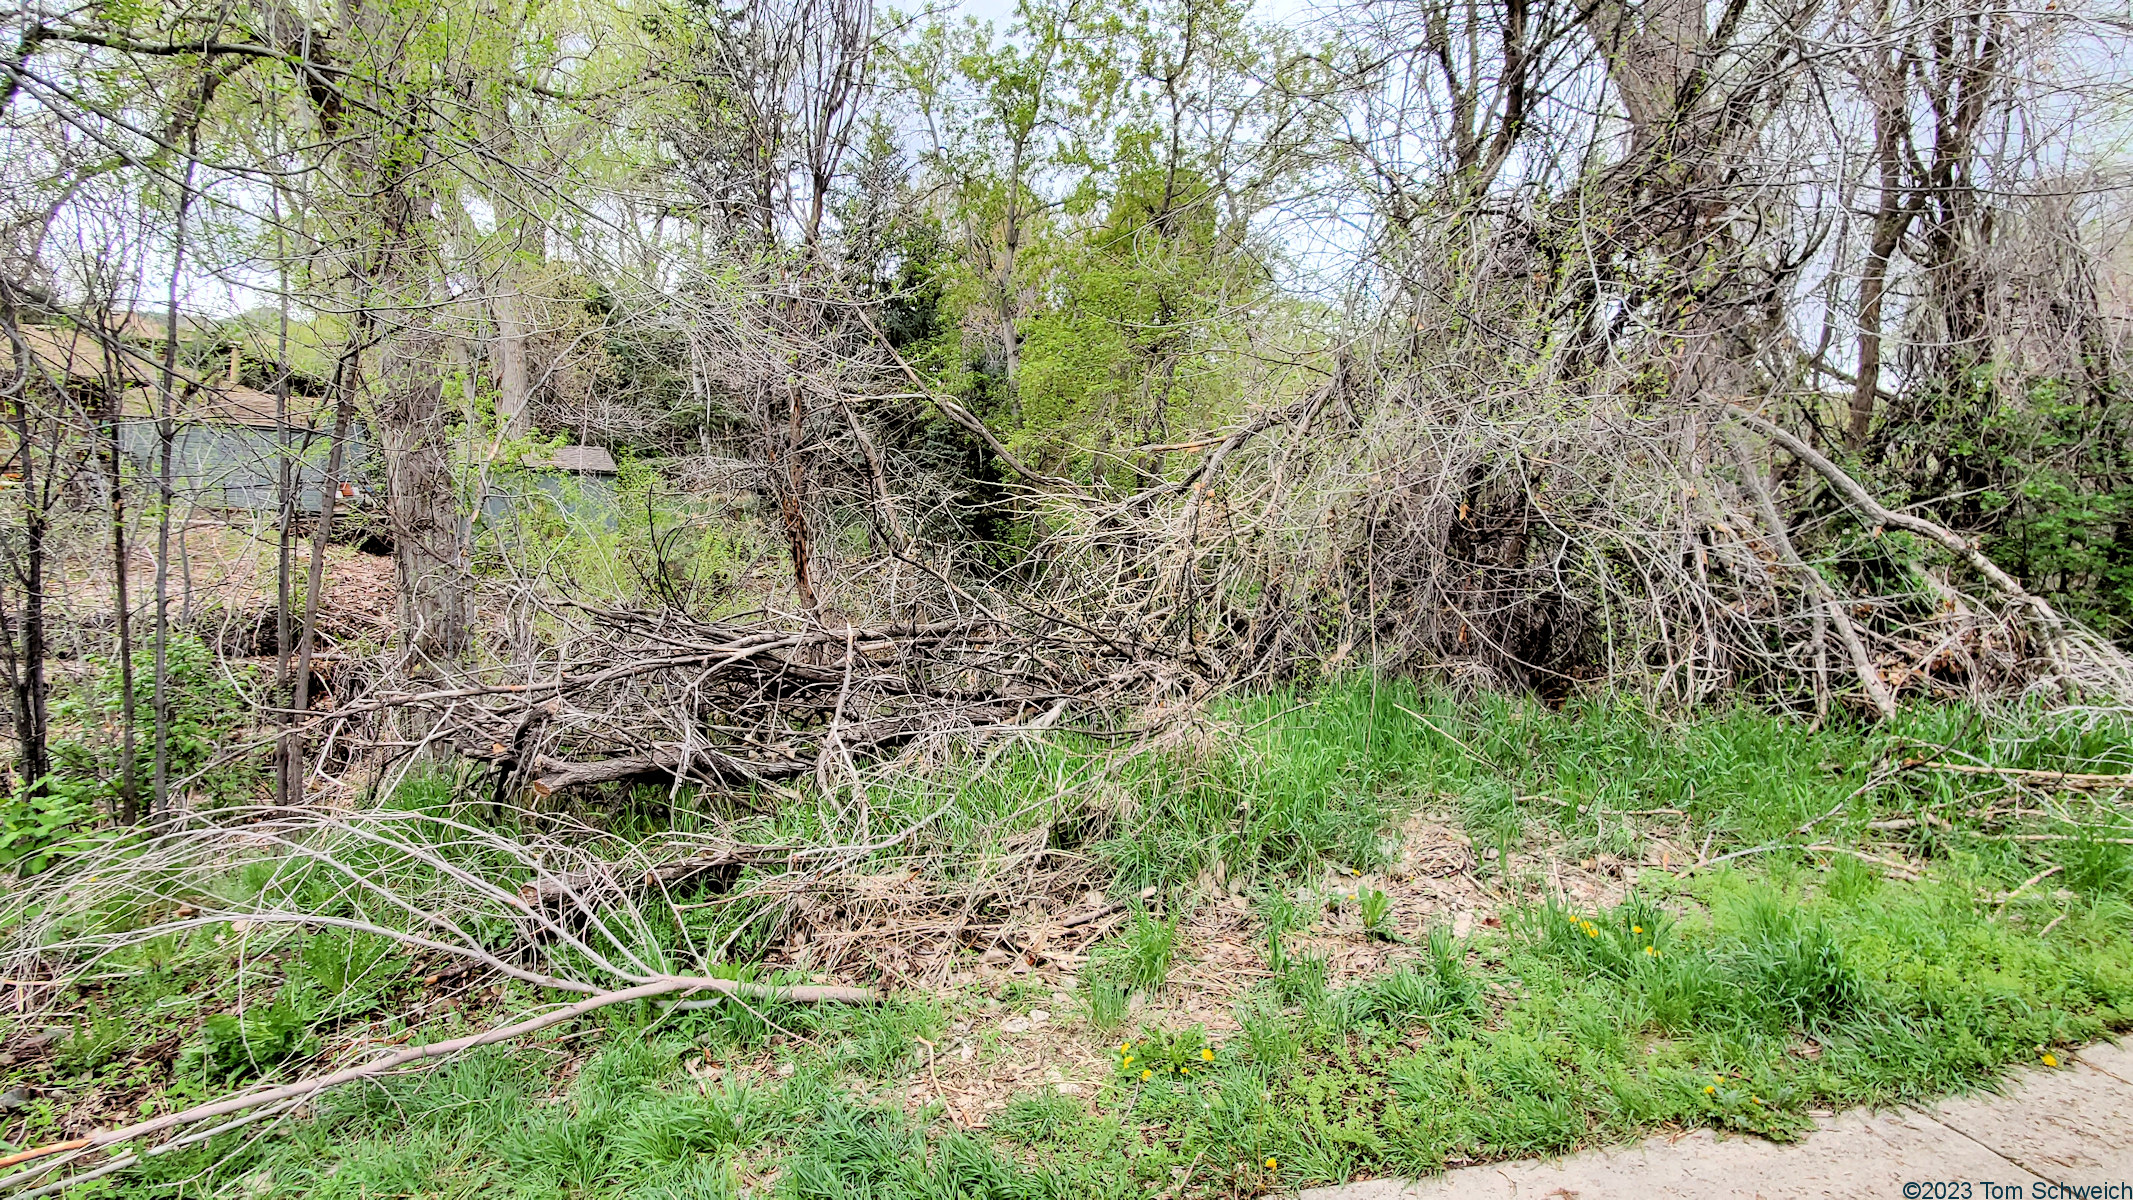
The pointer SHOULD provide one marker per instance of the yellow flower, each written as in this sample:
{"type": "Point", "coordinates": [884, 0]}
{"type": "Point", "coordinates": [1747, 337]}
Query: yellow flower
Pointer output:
{"type": "Point", "coordinates": [1652, 950]}
{"type": "Point", "coordinates": [1146, 1075]}
{"type": "Point", "coordinates": [1128, 1062]}
{"type": "Point", "coordinates": [1591, 932]}
{"type": "Point", "coordinates": [1636, 929]}
{"type": "Point", "coordinates": [2051, 1060]}
{"type": "Point", "coordinates": [1708, 1090]}
{"type": "Point", "coordinates": [1186, 1070]}
{"type": "Point", "coordinates": [1757, 1099]}
{"type": "Point", "coordinates": [1206, 1055]}
{"type": "Point", "coordinates": [1270, 1164]}
{"type": "Point", "coordinates": [1125, 1048]}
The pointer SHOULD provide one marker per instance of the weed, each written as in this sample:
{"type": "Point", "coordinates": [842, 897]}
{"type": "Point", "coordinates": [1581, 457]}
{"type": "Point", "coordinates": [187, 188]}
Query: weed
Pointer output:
{"type": "Point", "coordinates": [1270, 1038]}
{"type": "Point", "coordinates": [1109, 1002]}
{"type": "Point", "coordinates": [1851, 880]}
{"type": "Point", "coordinates": [238, 1046]}
{"type": "Point", "coordinates": [1282, 916]}
{"type": "Point", "coordinates": [1037, 1117]}
{"type": "Point", "coordinates": [2097, 866]}
{"type": "Point", "coordinates": [207, 711]}
{"type": "Point", "coordinates": [855, 1152]}
{"type": "Point", "coordinates": [103, 1038]}
{"type": "Point", "coordinates": [1139, 960]}
{"type": "Point", "coordinates": [1441, 994]}
{"type": "Point", "coordinates": [348, 971]}
{"type": "Point", "coordinates": [669, 1128]}
{"type": "Point", "coordinates": [1159, 1053]}
{"type": "Point", "coordinates": [1375, 906]}
{"type": "Point", "coordinates": [38, 830]}
{"type": "Point", "coordinates": [1300, 978]}
{"type": "Point", "coordinates": [877, 1039]}
{"type": "Point", "coordinates": [1683, 1006]}
{"type": "Point", "coordinates": [1792, 971]}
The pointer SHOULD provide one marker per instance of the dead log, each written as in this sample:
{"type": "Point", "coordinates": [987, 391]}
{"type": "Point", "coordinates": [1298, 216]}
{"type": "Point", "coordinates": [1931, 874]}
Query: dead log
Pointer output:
{"type": "Point", "coordinates": [552, 775]}
{"type": "Point", "coordinates": [715, 766]}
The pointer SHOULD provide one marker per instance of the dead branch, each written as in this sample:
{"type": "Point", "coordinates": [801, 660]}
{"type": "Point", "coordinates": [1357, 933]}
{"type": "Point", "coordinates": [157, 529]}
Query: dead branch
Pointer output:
{"type": "Point", "coordinates": [2072, 779]}
{"type": "Point", "coordinates": [724, 864]}
{"type": "Point", "coordinates": [1869, 678]}
{"type": "Point", "coordinates": [303, 1089]}
{"type": "Point", "coordinates": [960, 415]}
{"type": "Point", "coordinates": [2054, 629]}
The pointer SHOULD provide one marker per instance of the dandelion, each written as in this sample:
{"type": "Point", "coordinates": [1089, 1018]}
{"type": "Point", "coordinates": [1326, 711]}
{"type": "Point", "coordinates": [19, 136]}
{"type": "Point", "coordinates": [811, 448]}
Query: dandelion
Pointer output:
{"type": "Point", "coordinates": [2051, 1060]}
{"type": "Point", "coordinates": [1708, 1090]}
{"type": "Point", "coordinates": [1125, 1048]}
{"type": "Point", "coordinates": [1206, 1055]}
{"type": "Point", "coordinates": [1146, 1075]}
{"type": "Point", "coordinates": [1652, 950]}
{"type": "Point", "coordinates": [1128, 1062]}
{"type": "Point", "coordinates": [1185, 1070]}
{"type": "Point", "coordinates": [1756, 1099]}
{"type": "Point", "coordinates": [1270, 1164]}
{"type": "Point", "coordinates": [1636, 929]}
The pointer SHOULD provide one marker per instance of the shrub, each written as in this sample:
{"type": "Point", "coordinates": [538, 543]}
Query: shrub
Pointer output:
{"type": "Point", "coordinates": [207, 713]}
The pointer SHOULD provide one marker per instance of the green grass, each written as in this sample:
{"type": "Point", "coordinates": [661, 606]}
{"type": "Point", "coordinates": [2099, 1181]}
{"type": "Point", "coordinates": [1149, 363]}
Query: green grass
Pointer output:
{"type": "Point", "coordinates": [1742, 997]}
{"type": "Point", "coordinates": [1139, 958]}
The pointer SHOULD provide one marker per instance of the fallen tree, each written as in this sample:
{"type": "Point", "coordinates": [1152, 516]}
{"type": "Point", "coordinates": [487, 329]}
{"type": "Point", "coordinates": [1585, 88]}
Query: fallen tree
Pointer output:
{"type": "Point", "coordinates": [429, 884]}
{"type": "Point", "coordinates": [287, 1095]}
{"type": "Point", "coordinates": [729, 705]}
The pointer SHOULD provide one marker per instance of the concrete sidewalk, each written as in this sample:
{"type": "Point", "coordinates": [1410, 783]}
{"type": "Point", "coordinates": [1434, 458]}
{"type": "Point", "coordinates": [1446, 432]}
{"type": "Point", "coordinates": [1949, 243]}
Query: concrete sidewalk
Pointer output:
{"type": "Point", "coordinates": [2072, 1126]}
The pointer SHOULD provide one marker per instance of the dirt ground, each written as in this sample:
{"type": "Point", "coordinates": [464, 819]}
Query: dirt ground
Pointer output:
{"type": "Point", "coordinates": [1033, 1030]}
{"type": "Point", "coordinates": [222, 584]}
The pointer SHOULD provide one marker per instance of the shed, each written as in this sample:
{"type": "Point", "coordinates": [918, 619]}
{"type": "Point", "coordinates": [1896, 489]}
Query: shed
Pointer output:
{"type": "Point", "coordinates": [582, 460]}
{"type": "Point", "coordinates": [230, 441]}
{"type": "Point", "coordinates": [578, 480]}
{"type": "Point", "coordinates": [229, 444]}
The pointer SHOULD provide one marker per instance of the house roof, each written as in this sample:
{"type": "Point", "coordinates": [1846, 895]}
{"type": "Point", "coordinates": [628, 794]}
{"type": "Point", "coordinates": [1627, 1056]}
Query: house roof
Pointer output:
{"type": "Point", "coordinates": [78, 357]}
{"type": "Point", "coordinates": [227, 405]}
{"type": "Point", "coordinates": [155, 326]}
{"type": "Point", "coordinates": [588, 460]}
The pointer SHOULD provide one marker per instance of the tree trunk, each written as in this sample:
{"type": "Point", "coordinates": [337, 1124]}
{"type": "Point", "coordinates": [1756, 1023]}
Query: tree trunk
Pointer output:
{"type": "Point", "coordinates": [1009, 301]}
{"type": "Point", "coordinates": [422, 505]}
{"type": "Point", "coordinates": [1891, 219]}
{"type": "Point", "coordinates": [315, 580]}
{"type": "Point", "coordinates": [792, 499]}
{"type": "Point", "coordinates": [129, 787]}
{"type": "Point", "coordinates": [390, 163]}
{"type": "Point", "coordinates": [288, 783]}
{"type": "Point", "coordinates": [166, 434]}
{"type": "Point", "coordinates": [27, 674]}
{"type": "Point", "coordinates": [514, 383]}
